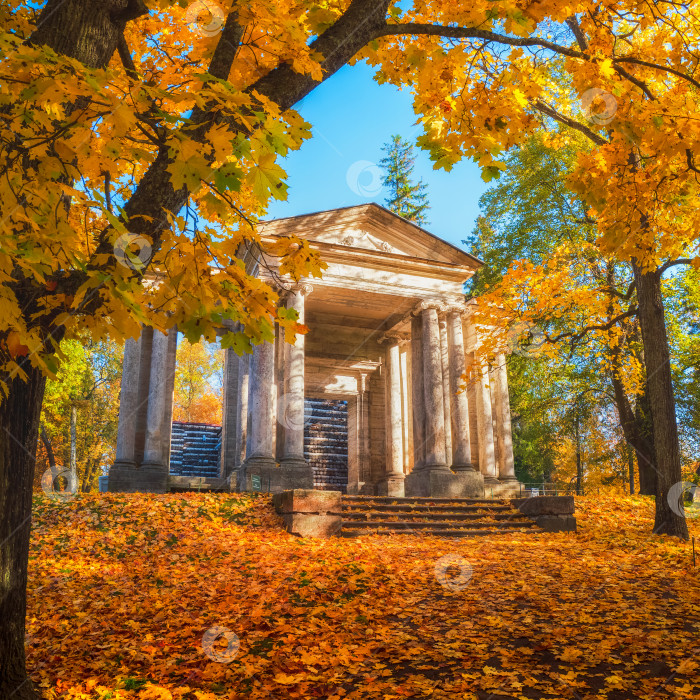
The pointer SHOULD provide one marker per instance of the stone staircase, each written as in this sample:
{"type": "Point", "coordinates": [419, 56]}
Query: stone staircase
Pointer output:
{"type": "Point", "coordinates": [326, 442]}
{"type": "Point", "coordinates": [195, 450]}
{"type": "Point", "coordinates": [442, 517]}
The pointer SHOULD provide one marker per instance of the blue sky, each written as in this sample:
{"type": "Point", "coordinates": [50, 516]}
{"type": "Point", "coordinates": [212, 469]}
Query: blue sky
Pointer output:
{"type": "Point", "coordinates": [352, 116]}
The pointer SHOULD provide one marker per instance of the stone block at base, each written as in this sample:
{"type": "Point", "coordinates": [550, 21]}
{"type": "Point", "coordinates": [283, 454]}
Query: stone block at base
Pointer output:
{"type": "Point", "coordinates": [390, 487]}
{"type": "Point", "coordinates": [556, 523]}
{"type": "Point", "coordinates": [312, 524]}
{"type": "Point", "coordinates": [269, 477]}
{"type": "Point", "coordinates": [503, 489]}
{"type": "Point", "coordinates": [435, 483]}
{"type": "Point", "coordinates": [545, 505]}
{"type": "Point", "coordinates": [471, 484]}
{"type": "Point", "coordinates": [308, 501]}
{"type": "Point", "coordinates": [309, 512]}
{"type": "Point", "coordinates": [125, 478]}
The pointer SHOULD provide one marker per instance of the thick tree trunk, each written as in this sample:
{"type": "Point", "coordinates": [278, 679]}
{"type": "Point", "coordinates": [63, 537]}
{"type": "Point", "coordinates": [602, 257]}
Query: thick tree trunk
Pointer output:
{"type": "Point", "coordinates": [88, 31]}
{"type": "Point", "coordinates": [663, 409]}
{"type": "Point", "coordinates": [19, 430]}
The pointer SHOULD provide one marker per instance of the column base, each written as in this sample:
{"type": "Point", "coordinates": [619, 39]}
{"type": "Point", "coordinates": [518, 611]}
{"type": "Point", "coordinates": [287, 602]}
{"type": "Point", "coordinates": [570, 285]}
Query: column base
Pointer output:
{"type": "Point", "coordinates": [491, 481]}
{"type": "Point", "coordinates": [122, 477]}
{"type": "Point", "coordinates": [463, 468]}
{"type": "Point", "coordinates": [471, 484]}
{"type": "Point", "coordinates": [438, 482]}
{"type": "Point", "coordinates": [152, 478]}
{"type": "Point", "coordinates": [391, 486]}
{"type": "Point", "coordinates": [266, 475]}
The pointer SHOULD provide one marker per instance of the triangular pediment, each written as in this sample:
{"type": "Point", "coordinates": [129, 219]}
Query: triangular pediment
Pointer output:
{"type": "Point", "coordinates": [370, 227]}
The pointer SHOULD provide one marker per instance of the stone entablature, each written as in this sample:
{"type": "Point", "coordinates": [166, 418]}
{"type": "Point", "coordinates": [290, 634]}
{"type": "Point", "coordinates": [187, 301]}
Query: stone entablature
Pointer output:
{"type": "Point", "coordinates": [390, 333]}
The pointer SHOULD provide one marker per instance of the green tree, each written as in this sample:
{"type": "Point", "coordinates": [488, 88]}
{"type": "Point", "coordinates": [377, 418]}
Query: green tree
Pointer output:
{"type": "Point", "coordinates": [407, 198]}
{"type": "Point", "coordinates": [198, 383]}
{"type": "Point", "coordinates": [530, 214]}
{"type": "Point", "coordinates": [80, 409]}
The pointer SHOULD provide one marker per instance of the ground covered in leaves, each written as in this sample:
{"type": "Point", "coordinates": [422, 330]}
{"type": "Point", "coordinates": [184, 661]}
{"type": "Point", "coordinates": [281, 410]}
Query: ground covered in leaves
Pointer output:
{"type": "Point", "coordinates": [124, 588]}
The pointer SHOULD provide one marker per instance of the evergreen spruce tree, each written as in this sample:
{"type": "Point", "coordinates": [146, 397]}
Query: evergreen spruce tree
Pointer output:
{"type": "Point", "coordinates": [407, 198]}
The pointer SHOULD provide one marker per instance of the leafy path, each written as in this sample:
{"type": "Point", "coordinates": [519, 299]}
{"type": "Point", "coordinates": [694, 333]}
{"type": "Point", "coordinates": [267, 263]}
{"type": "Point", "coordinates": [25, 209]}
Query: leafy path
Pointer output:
{"type": "Point", "coordinates": [123, 588]}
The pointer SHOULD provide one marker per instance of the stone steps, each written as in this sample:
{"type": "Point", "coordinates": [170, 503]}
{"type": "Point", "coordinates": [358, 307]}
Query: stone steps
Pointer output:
{"type": "Point", "coordinates": [442, 517]}
{"type": "Point", "coordinates": [326, 442]}
{"type": "Point", "coordinates": [195, 450]}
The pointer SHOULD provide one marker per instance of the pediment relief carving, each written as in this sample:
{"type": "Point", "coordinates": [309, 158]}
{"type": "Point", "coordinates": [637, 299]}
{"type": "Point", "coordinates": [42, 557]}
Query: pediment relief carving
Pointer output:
{"type": "Point", "coordinates": [366, 240]}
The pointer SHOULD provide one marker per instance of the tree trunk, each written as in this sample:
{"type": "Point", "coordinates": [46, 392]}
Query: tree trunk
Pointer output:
{"type": "Point", "coordinates": [88, 31]}
{"type": "Point", "coordinates": [668, 519]}
{"type": "Point", "coordinates": [630, 468]}
{"type": "Point", "coordinates": [579, 464]}
{"type": "Point", "coordinates": [636, 427]}
{"type": "Point", "coordinates": [73, 445]}
{"type": "Point", "coordinates": [646, 454]}
{"type": "Point", "coordinates": [19, 430]}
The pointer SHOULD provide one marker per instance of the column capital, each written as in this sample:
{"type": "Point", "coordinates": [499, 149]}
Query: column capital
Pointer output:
{"type": "Point", "coordinates": [458, 309]}
{"type": "Point", "coordinates": [426, 304]}
{"type": "Point", "coordinates": [393, 338]}
{"type": "Point", "coordinates": [296, 287]}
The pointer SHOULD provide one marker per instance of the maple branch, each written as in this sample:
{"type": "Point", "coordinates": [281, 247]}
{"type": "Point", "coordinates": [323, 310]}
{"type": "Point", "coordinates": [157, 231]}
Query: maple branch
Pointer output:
{"type": "Point", "coordinates": [576, 337]}
{"type": "Point", "coordinates": [656, 66]}
{"type": "Point", "coordinates": [471, 33]}
{"type": "Point", "coordinates": [673, 263]}
{"type": "Point", "coordinates": [126, 59]}
{"type": "Point", "coordinates": [568, 121]}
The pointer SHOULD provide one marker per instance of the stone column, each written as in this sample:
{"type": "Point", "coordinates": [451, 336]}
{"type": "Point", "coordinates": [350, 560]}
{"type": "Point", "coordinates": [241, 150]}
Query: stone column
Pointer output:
{"type": "Point", "coordinates": [505, 435]}
{"type": "Point", "coordinates": [432, 477]}
{"type": "Point", "coordinates": [461, 439]}
{"type": "Point", "coordinates": [484, 420]}
{"type": "Point", "coordinates": [417, 395]}
{"type": "Point", "coordinates": [296, 471]}
{"type": "Point", "coordinates": [393, 482]}
{"type": "Point", "coordinates": [433, 388]}
{"type": "Point", "coordinates": [122, 474]}
{"type": "Point", "coordinates": [446, 391]}
{"type": "Point", "coordinates": [231, 417]}
{"type": "Point", "coordinates": [242, 428]}
{"type": "Point", "coordinates": [125, 454]}
{"type": "Point", "coordinates": [260, 459]}
{"type": "Point", "coordinates": [154, 473]}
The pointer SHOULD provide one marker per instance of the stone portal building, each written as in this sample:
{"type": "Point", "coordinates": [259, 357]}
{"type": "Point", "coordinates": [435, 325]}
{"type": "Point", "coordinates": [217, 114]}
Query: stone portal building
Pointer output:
{"type": "Point", "coordinates": [371, 393]}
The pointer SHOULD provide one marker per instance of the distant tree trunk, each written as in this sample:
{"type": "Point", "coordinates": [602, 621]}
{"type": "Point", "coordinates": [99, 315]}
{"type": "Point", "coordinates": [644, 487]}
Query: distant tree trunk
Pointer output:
{"type": "Point", "coordinates": [636, 428]}
{"type": "Point", "coordinates": [630, 468]}
{"type": "Point", "coordinates": [49, 452]}
{"type": "Point", "coordinates": [74, 443]}
{"type": "Point", "coordinates": [19, 432]}
{"type": "Point", "coordinates": [663, 408]}
{"type": "Point", "coordinates": [579, 463]}
{"type": "Point", "coordinates": [646, 453]}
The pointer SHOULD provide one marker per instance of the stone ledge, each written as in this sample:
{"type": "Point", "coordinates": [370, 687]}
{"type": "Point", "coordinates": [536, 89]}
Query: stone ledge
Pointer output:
{"type": "Point", "coordinates": [308, 501]}
{"type": "Point", "coordinates": [312, 524]}
{"type": "Point", "coordinates": [556, 523]}
{"type": "Point", "coordinates": [545, 505]}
